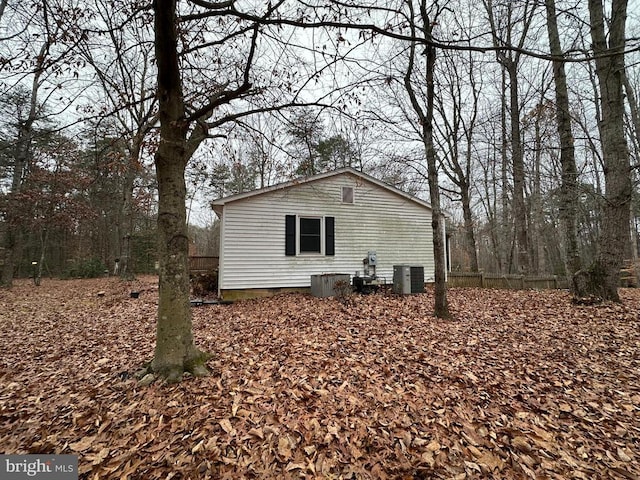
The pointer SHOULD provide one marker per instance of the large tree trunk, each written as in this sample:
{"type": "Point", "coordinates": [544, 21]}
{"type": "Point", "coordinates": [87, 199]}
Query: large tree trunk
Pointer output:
{"type": "Point", "coordinates": [175, 352]}
{"type": "Point", "coordinates": [569, 186]}
{"type": "Point", "coordinates": [603, 276]}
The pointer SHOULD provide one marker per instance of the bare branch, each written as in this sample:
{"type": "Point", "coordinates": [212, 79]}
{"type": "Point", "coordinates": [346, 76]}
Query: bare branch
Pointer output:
{"type": "Point", "coordinates": [386, 31]}
{"type": "Point", "coordinates": [213, 5]}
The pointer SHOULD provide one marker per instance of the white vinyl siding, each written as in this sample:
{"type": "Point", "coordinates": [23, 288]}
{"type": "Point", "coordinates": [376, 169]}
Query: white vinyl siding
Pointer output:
{"type": "Point", "coordinates": [253, 233]}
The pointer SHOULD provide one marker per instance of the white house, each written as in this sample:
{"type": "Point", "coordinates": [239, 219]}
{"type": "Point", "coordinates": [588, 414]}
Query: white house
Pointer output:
{"type": "Point", "coordinates": [277, 237]}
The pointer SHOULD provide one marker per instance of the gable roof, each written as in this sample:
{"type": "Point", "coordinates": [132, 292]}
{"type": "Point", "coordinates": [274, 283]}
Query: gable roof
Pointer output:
{"type": "Point", "coordinates": [218, 204]}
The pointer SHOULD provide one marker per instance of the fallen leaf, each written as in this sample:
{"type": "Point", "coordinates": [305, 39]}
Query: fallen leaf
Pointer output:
{"type": "Point", "coordinates": [83, 444]}
{"type": "Point", "coordinates": [225, 423]}
{"type": "Point", "coordinates": [284, 448]}
{"type": "Point", "coordinates": [622, 455]}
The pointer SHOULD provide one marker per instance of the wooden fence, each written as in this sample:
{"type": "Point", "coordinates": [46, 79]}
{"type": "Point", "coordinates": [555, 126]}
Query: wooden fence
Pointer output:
{"type": "Point", "coordinates": [201, 264]}
{"type": "Point", "coordinates": [514, 282]}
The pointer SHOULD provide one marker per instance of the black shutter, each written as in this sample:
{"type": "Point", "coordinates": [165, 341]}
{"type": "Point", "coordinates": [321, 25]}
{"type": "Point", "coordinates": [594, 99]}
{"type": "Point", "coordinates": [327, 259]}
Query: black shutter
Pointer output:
{"type": "Point", "coordinates": [290, 235]}
{"type": "Point", "coordinates": [329, 236]}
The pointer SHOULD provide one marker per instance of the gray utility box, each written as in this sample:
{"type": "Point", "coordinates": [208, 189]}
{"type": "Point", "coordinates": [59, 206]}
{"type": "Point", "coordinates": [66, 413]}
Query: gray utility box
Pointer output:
{"type": "Point", "coordinates": [325, 285]}
{"type": "Point", "coordinates": [408, 279]}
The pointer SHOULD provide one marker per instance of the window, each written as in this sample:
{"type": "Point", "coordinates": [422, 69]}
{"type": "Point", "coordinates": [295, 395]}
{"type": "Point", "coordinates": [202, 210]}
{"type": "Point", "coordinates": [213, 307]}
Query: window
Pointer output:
{"type": "Point", "coordinates": [347, 194]}
{"type": "Point", "coordinates": [309, 235]}
{"type": "Point", "coordinates": [310, 239]}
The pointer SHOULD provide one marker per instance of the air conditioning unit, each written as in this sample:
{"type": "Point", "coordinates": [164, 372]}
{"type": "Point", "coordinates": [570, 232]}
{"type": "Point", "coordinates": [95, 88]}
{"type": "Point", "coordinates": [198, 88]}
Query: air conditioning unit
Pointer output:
{"type": "Point", "coordinates": [408, 279]}
{"type": "Point", "coordinates": [325, 285]}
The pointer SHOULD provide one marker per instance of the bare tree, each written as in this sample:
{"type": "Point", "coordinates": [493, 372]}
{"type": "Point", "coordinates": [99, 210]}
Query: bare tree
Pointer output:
{"type": "Point", "coordinates": [569, 188]}
{"type": "Point", "coordinates": [306, 130]}
{"type": "Point", "coordinates": [492, 257]}
{"type": "Point", "coordinates": [602, 279]}
{"type": "Point", "coordinates": [422, 24]}
{"type": "Point", "coordinates": [190, 109]}
{"type": "Point", "coordinates": [504, 20]}
{"type": "Point", "coordinates": [30, 111]}
{"type": "Point", "coordinates": [459, 114]}
{"type": "Point", "coordinates": [262, 134]}
{"type": "Point", "coordinates": [634, 127]}
{"type": "Point", "coordinates": [124, 68]}
{"type": "Point", "coordinates": [175, 351]}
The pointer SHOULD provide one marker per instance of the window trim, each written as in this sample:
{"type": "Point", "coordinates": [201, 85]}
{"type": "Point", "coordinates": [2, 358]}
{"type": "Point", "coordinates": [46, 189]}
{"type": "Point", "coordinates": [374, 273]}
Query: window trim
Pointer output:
{"type": "Point", "coordinates": [353, 195]}
{"type": "Point", "coordinates": [321, 220]}
{"type": "Point", "coordinates": [327, 236]}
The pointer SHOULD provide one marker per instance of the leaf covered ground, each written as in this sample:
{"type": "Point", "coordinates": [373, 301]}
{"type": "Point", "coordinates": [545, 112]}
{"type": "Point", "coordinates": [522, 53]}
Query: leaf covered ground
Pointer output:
{"type": "Point", "coordinates": [519, 385]}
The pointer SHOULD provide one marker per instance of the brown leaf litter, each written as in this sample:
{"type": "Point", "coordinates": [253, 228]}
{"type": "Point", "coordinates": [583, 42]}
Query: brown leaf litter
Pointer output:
{"type": "Point", "coordinates": [520, 385]}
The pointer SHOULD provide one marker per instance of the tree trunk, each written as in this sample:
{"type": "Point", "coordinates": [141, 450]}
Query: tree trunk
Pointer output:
{"type": "Point", "coordinates": [460, 172]}
{"type": "Point", "coordinates": [538, 260]}
{"type": "Point", "coordinates": [604, 273]}
{"type": "Point", "coordinates": [22, 158]}
{"type": "Point", "coordinates": [125, 265]}
{"type": "Point", "coordinates": [517, 161]}
{"type": "Point", "coordinates": [7, 250]}
{"type": "Point", "coordinates": [441, 304]}
{"type": "Point", "coordinates": [569, 186]}
{"type": "Point", "coordinates": [425, 116]}
{"type": "Point", "coordinates": [509, 60]}
{"type": "Point", "coordinates": [44, 236]}
{"type": "Point", "coordinates": [175, 352]}
{"type": "Point", "coordinates": [506, 262]}
{"type": "Point", "coordinates": [632, 100]}
{"type": "Point", "coordinates": [635, 120]}
{"type": "Point", "coordinates": [467, 215]}
{"type": "Point", "coordinates": [466, 186]}
{"type": "Point", "coordinates": [11, 240]}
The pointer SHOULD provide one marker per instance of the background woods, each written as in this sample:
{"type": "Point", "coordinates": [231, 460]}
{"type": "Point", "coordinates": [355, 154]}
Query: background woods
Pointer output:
{"type": "Point", "coordinates": [121, 121]}
{"type": "Point", "coordinates": [518, 140]}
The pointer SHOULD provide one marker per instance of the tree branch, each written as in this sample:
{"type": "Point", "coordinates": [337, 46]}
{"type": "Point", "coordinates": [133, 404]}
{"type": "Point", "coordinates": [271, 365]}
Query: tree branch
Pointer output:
{"type": "Point", "coordinates": [385, 31]}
